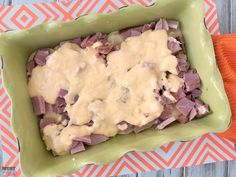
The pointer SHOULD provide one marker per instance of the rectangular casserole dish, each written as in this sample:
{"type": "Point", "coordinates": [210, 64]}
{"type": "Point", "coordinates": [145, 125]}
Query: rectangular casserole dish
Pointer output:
{"type": "Point", "coordinates": [16, 46]}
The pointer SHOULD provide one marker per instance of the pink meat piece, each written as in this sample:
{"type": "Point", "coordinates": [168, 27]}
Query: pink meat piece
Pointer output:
{"type": "Point", "coordinates": [83, 44]}
{"type": "Point", "coordinates": [48, 107]}
{"type": "Point", "coordinates": [182, 119]}
{"type": "Point", "coordinates": [192, 114]}
{"type": "Point", "coordinates": [174, 45]}
{"type": "Point", "coordinates": [134, 33]}
{"type": "Point", "coordinates": [97, 36]}
{"type": "Point", "coordinates": [30, 66]}
{"type": "Point", "coordinates": [192, 81]}
{"type": "Point", "coordinates": [46, 121]}
{"type": "Point", "coordinates": [138, 129]}
{"type": "Point", "coordinates": [65, 116]}
{"type": "Point", "coordinates": [126, 130]}
{"type": "Point", "coordinates": [165, 25]}
{"type": "Point", "coordinates": [166, 113]}
{"type": "Point", "coordinates": [181, 74]}
{"type": "Point", "coordinates": [184, 106]}
{"type": "Point", "coordinates": [62, 92]}
{"type": "Point", "coordinates": [116, 47]}
{"type": "Point", "coordinates": [76, 147]}
{"type": "Point", "coordinates": [60, 105]}
{"type": "Point", "coordinates": [40, 57]}
{"type": "Point", "coordinates": [149, 26]}
{"type": "Point", "coordinates": [179, 94]}
{"type": "Point", "coordinates": [196, 93]}
{"type": "Point", "coordinates": [131, 32]}
{"type": "Point", "coordinates": [162, 24]}
{"type": "Point", "coordinates": [138, 28]}
{"type": "Point", "coordinates": [38, 105]}
{"type": "Point", "coordinates": [166, 122]}
{"type": "Point", "coordinates": [97, 138]}
{"type": "Point", "coordinates": [165, 100]}
{"type": "Point", "coordinates": [105, 49]}
{"type": "Point", "coordinates": [159, 24]}
{"type": "Point", "coordinates": [201, 108]}
{"type": "Point", "coordinates": [173, 24]}
{"type": "Point", "coordinates": [183, 65]}
{"type": "Point", "coordinates": [84, 139]}
{"type": "Point", "coordinates": [76, 41]}
{"type": "Point", "coordinates": [182, 41]}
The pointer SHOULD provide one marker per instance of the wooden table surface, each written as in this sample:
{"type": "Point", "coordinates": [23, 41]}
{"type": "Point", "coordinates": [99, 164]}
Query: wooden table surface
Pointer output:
{"type": "Point", "coordinates": [227, 17]}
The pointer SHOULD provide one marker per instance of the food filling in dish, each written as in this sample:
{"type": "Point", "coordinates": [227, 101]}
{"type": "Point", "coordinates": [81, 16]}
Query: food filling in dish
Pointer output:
{"type": "Point", "coordinates": [87, 90]}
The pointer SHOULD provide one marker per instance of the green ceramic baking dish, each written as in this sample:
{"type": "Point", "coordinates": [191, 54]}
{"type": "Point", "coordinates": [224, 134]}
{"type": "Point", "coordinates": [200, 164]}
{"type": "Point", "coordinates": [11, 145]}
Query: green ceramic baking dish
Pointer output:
{"type": "Point", "coordinates": [16, 46]}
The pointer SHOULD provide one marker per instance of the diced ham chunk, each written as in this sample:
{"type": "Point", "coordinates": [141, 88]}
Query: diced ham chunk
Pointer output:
{"type": "Point", "coordinates": [193, 114]}
{"type": "Point", "coordinates": [201, 108]}
{"type": "Point", "coordinates": [40, 57]}
{"type": "Point", "coordinates": [131, 32]}
{"type": "Point", "coordinates": [38, 105]}
{"type": "Point", "coordinates": [182, 119]}
{"type": "Point", "coordinates": [30, 66]}
{"type": "Point", "coordinates": [48, 107]}
{"type": "Point", "coordinates": [92, 139]}
{"type": "Point", "coordinates": [46, 121]}
{"type": "Point", "coordinates": [62, 92]}
{"type": "Point", "coordinates": [162, 24]}
{"type": "Point", "coordinates": [93, 39]}
{"type": "Point", "coordinates": [85, 139]}
{"type": "Point", "coordinates": [184, 106]}
{"type": "Point", "coordinates": [97, 138]}
{"type": "Point", "coordinates": [196, 93]}
{"type": "Point", "coordinates": [83, 44]}
{"type": "Point", "coordinates": [76, 41]}
{"type": "Point", "coordinates": [192, 81]}
{"type": "Point", "coordinates": [166, 113]}
{"type": "Point", "coordinates": [183, 65]}
{"type": "Point", "coordinates": [148, 125]}
{"type": "Point", "coordinates": [166, 122]}
{"type": "Point", "coordinates": [173, 24]}
{"type": "Point", "coordinates": [64, 116]}
{"type": "Point", "coordinates": [149, 26]}
{"type": "Point", "coordinates": [60, 105]}
{"type": "Point", "coordinates": [179, 94]}
{"type": "Point", "coordinates": [76, 147]}
{"type": "Point", "coordinates": [105, 49]}
{"type": "Point", "coordinates": [173, 45]}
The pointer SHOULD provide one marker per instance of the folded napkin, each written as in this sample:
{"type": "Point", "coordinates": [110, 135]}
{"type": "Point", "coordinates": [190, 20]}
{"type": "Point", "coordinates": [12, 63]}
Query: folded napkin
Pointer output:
{"type": "Point", "coordinates": [225, 49]}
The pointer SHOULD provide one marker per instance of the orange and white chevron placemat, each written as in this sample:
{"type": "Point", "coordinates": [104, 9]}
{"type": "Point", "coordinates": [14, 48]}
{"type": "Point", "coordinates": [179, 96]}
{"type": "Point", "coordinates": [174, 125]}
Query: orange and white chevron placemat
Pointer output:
{"type": "Point", "coordinates": [206, 149]}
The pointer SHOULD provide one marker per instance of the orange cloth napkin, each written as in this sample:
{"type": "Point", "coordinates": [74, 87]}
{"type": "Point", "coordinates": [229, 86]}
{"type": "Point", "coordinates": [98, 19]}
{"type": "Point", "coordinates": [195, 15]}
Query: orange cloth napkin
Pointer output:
{"type": "Point", "coordinates": [225, 49]}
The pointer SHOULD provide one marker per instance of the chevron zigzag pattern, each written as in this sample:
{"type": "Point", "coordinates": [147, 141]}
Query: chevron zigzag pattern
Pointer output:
{"type": "Point", "coordinates": [206, 149]}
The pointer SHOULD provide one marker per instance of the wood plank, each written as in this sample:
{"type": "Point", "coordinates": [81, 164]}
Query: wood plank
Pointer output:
{"type": "Point", "coordinates": [131, 175]}
{"type": "Point", "coordinates": [15, 2]}
{"type": "Point", "coordinates": [231, 168]}
{"type": "Point", "coordinates": [223, 8]}
{"type": "Point", "coordinates": [219, 169]}
{"type": "Point", "coordinates": [1, 158]}
{"type": "Point", "coordinates": [164, 173]}
{"type": "Point", "coordinates": [5, 2]}
{"type": "Point", "coordinates": [233, 16]}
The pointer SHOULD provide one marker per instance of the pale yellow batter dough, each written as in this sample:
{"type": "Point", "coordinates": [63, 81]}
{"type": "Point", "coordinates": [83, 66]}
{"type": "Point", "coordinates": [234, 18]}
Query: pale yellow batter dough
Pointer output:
{"type": "Point", "coordinates": [120, 91]}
